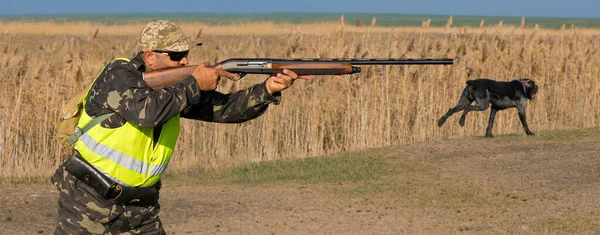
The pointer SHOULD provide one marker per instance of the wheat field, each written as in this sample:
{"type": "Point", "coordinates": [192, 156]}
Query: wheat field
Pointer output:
{"type": "Point", "coordinates": [43, 63]}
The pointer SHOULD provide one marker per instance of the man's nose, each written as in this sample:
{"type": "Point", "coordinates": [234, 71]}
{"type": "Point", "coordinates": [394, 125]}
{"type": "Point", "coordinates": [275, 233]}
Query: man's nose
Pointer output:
{"type": "Point", "coordinates": [184, 61]}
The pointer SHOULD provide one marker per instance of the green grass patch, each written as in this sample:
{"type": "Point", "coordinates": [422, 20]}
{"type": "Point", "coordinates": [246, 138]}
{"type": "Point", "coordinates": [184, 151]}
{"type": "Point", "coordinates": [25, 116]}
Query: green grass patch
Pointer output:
{"type": "Point", "coordinates": [552, 135]}
{"type": "Point", "coordinates": [353, 166]}
{"type": "Point", "coordinates": [338, 168]}
{"type": "Point", "coordinates": [569, 134]}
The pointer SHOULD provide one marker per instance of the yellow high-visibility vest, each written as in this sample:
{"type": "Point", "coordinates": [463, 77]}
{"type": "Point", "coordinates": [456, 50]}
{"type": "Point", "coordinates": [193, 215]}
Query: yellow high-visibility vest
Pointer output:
{"type": "Point", "coordinates": [127, 154]}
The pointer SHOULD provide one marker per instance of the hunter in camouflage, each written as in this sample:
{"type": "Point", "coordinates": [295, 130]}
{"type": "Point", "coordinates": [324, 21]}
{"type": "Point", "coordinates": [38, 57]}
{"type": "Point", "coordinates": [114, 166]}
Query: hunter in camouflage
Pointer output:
{"type": "Point", "coordinates": [120, 89]}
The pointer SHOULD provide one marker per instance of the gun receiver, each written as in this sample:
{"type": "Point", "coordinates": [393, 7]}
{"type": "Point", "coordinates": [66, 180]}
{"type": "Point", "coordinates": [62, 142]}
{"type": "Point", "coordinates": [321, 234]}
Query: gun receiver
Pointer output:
{"type": "Point", "coordinates": [242, 66]}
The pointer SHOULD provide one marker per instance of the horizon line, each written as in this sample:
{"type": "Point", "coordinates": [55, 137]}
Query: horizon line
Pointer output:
{"type": "Point", "coordinates": [280, 12]}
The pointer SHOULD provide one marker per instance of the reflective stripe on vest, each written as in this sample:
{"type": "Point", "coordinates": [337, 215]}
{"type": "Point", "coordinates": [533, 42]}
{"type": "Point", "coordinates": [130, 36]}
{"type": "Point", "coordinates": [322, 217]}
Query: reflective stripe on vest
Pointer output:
{"type": "Point", "coordinates": [128, 153]}
{"type": "Point", "coordinates": [122, 159]}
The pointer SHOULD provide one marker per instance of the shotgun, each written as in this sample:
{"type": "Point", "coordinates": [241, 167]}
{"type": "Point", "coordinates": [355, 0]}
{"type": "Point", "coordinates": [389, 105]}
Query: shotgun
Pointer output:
{"type": "Point", "coordinates": [158, 79]}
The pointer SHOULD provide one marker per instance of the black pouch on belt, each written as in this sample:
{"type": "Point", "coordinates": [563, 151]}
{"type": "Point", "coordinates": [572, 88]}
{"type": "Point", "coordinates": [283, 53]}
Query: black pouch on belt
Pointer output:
{"type": "Point", "coordinates": [91, 176]}
{"type": "Point", "coordinates": [109, 189]}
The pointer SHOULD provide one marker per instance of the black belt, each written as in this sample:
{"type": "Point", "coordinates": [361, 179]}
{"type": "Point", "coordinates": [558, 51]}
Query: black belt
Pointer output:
{"type": "Point", "coordinates": [108, 188]}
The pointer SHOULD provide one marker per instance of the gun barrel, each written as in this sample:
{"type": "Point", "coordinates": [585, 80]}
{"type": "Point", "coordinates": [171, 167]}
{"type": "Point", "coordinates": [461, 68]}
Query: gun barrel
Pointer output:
{"type": "Point", "coordinates": [400, 61]}
{"type": "Point", "coordinates": [371, 61]}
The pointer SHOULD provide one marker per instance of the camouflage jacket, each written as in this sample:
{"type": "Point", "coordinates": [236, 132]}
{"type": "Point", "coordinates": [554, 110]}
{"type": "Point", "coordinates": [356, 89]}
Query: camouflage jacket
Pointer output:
{"type": "Point", "coordinates": [121, 89]}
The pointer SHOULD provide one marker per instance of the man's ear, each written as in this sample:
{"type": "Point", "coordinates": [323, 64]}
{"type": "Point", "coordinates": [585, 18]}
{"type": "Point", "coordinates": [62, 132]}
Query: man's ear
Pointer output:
{"type": "Point", "coordinates": [149, 58]}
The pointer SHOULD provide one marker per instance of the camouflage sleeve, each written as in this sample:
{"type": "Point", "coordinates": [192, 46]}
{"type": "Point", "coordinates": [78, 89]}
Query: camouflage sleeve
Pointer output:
{"type": "Point", "coordinates": [236, 107]}
{"type": "Point", "coordinates": [121, 89]}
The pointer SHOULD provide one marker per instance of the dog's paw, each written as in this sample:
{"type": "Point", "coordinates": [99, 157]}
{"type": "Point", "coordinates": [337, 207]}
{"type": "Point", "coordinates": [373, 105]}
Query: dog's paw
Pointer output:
{"type": "Point", "coordinates": [441, 122]}
{"type": "Point", "coordinates": [461, 122]}
{"type": "Point", "coordinates": [489, 136]}
{"type": "Point", "coordinates": [530, 133]}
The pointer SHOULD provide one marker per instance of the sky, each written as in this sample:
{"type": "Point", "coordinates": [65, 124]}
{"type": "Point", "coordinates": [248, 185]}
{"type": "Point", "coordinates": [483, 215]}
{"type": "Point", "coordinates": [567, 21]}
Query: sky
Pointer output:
{"type": "Point", "coordinates": [527, 8]}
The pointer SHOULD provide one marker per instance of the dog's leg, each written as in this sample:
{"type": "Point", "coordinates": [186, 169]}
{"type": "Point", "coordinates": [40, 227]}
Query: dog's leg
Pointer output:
{"type": "Point", "coordinates": [523, 118]}
{"type": "Point", "coordinates": [482, 99]}
{"type": "Point", "coordinates": [488, 131]}
{"type": "Point", "coordinates": [463, 103]}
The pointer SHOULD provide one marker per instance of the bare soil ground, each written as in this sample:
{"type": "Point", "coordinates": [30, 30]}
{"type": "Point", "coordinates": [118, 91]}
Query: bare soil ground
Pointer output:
{"type": "Point", "coordinates": [506, 185]}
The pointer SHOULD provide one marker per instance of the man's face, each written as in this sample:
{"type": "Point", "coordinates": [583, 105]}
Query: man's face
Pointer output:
{"type": "Point", "coordinates": [162, 59]}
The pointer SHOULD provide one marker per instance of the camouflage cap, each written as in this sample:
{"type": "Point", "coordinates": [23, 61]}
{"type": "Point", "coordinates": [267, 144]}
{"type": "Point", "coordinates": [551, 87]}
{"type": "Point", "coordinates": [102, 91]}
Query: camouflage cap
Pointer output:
{"type": "Point", "coordinates": [165, 35]}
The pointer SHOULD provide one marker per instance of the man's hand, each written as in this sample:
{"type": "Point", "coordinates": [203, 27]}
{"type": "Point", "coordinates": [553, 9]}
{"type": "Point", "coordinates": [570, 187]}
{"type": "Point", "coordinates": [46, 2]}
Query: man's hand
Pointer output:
{"type": "Point", "coordinates": [283, 81]}
{"type": "Point", "coordinates": [208, 78]}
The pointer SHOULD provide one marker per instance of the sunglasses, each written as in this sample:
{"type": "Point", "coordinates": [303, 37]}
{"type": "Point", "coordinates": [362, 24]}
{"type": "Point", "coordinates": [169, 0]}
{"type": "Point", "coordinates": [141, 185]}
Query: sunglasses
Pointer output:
{"type": "Point", "coordinates": [174, 55]}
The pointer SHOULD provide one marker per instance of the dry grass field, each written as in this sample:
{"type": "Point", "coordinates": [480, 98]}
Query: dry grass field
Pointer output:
{"type": "Point", "coordinates": [43, 63]}
{"type": "Point", "coordinates": [414, 178]}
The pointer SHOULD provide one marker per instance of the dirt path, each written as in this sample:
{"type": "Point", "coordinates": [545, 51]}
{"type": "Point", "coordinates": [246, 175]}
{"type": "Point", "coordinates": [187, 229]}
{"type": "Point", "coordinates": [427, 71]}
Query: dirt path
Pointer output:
{"type": "Point", "coordinates": [480, 186]}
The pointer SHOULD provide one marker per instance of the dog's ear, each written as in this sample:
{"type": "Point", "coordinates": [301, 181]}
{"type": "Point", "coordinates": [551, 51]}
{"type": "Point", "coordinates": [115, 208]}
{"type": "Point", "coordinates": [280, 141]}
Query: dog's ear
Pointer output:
{"type": "Point", "coordinates": [528, 82]}
{"type": "Point", "coordinates": [532, 88]}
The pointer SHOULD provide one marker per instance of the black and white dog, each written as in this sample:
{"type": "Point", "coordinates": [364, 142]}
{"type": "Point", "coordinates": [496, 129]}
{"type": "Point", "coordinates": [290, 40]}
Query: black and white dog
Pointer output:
{"type": "Point", "coordinates": [501, 95]}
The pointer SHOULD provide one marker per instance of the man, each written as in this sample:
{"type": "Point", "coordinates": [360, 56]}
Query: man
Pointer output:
{"type": "Point", "coordinates": [111, 183]}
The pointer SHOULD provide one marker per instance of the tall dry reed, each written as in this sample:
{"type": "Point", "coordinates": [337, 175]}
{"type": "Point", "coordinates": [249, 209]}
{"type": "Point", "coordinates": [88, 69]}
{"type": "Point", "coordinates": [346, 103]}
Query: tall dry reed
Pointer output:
{"type": "Point", "coordinates": [42, 64]}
